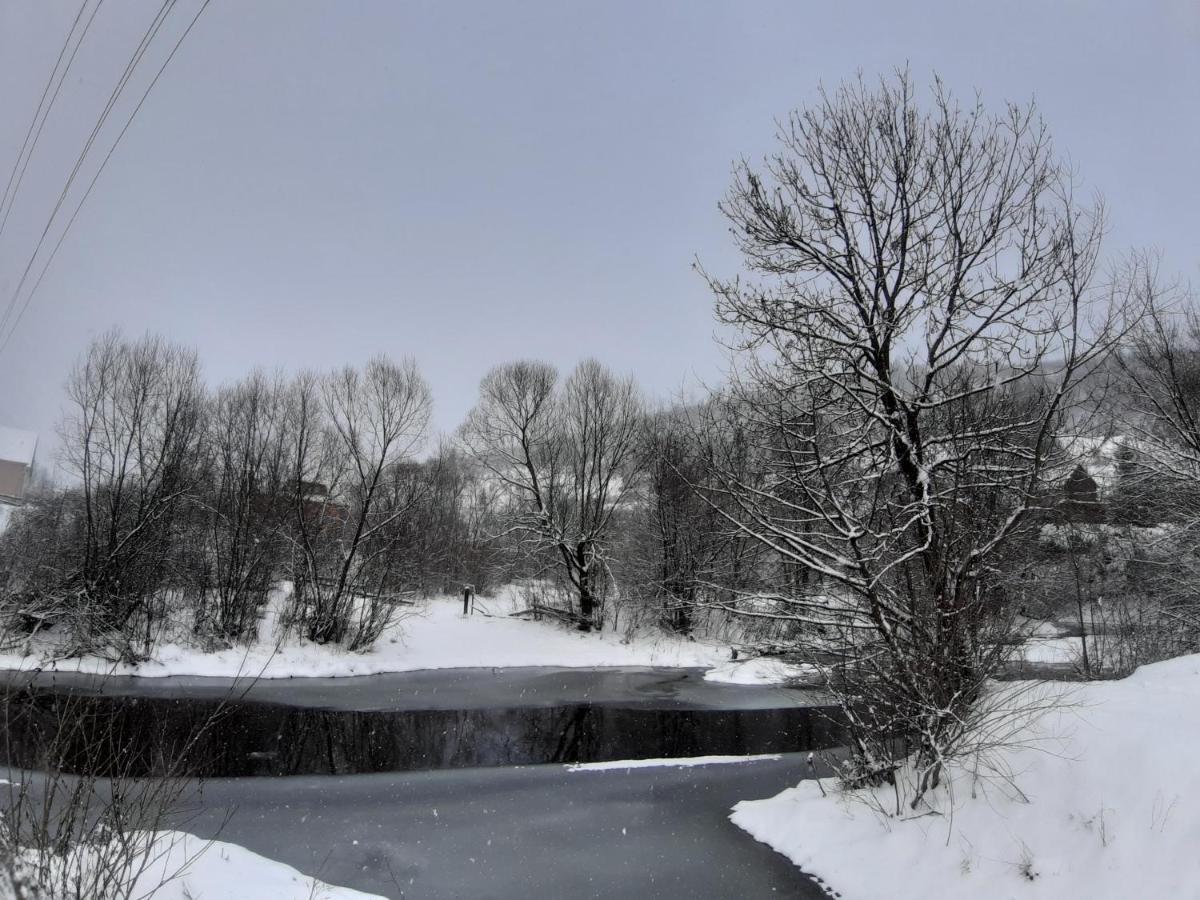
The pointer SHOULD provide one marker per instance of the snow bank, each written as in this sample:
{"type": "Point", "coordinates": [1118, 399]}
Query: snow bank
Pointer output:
{"type": "Point", "coordinates": [228, 870]}
{"type": "Point", "coordinates": [1108, 807]}
{"type": "Point", "coordinates": [681, 762]}
{"type": "Point", "coordinates": [762, 670]}
{"type": "Point", "coordinates": [184, 867]}
{"type": "Point", "coordinates": [1050, 651]}
{"type": "Point", "coordinates": [435, 636]}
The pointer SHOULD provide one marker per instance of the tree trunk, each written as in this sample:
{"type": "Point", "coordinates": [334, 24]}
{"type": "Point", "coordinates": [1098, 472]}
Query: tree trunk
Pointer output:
{"type": "Point", "coordinates": [587, 599]}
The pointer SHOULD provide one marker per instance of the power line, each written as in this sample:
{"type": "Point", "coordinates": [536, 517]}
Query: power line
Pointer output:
{"type": "Point", "coordinates": [12, 199]}
{"type": "Point", "coordinates": [96, 177]}
{"type": "Point", "coordinates": [139, 52]}
{"type": "Point", "coordinates": [41, 102]}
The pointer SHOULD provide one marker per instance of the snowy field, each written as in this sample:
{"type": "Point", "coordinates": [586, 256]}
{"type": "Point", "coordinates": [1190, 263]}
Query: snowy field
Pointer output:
{"type": "Point", "coordinates": [435, 635]}
{"type": "Point", "coordinates": [432, 635]}
{"type": "Point", "coordinates": [1106, 805]}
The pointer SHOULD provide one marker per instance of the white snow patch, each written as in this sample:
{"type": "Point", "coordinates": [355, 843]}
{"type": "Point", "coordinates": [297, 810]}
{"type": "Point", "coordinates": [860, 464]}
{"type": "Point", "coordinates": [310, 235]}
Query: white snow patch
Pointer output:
{"type": "Point", "coordinates": [1109, 809]}
{"type": "Point", "coordinates": [1053, 651]}
{"type": "Point", "coordinates": [434, 635]}
{"type": "Point", "coordinates": [677, 763]}
{"type": "Point", "coordinates": [762, 670]}
{"type": "Point", "coordinates": [184, 867]}
{"type": "Point", "coordinates": [228, 870]}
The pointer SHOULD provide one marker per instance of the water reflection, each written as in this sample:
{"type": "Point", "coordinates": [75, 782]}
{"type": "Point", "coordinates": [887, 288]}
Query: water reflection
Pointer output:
{"type": "Point", "coordinates": [130, 736]}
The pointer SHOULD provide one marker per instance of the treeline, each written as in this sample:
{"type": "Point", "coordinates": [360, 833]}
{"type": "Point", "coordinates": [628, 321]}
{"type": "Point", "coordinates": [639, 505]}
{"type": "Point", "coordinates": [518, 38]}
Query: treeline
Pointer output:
{"type": "Point", "coordinates": [187, 499]}
{"type": "Point", "coordinates": [186, 506]}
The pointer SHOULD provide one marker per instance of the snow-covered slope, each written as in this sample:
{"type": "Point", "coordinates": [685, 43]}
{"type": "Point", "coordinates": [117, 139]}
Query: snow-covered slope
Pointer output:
{"type": "Point", "coordinates": [1108, 808]}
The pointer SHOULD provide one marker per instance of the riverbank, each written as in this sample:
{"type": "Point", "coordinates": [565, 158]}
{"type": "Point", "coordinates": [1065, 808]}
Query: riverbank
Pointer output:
{"type": "Point", "coordinates": [431, 635]}
{"type": "Point", "coordinates": [446, 689]}
{"type": "Point", "coordinates": [177, 865]}
{"type": "Point", "coordinates": [1103, 802]}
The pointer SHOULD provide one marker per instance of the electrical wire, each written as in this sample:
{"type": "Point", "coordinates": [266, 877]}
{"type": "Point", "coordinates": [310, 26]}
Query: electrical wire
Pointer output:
{"type": "Point", "coordinates": [139, 53]}
{"type": "Point", "coordinates": [41, 103]}
{"type": "Point", "coordinates": [96, 177]}
{"type": "Point", "coordinates": [12, 199]}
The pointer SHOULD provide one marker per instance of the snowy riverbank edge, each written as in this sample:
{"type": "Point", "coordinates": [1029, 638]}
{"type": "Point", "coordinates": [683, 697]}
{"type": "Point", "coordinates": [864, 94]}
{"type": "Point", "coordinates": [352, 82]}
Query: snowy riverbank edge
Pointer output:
{"type": "Point", "coordinates": [180, 866]}
{"type": "Point", "coordinates": [434, 636]}
{"type": "Point", "coordinates": [1108, 807]}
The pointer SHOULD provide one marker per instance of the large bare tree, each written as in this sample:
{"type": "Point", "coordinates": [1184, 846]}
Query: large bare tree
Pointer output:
{"type": "Point", "coordinates": [917, 313]}
{"type": "Point", "coordinates": [349, 430]}
{"type": "Point", "coordinates": [131, 438]}
{"type": "Point", "coordinates": [565, 455]}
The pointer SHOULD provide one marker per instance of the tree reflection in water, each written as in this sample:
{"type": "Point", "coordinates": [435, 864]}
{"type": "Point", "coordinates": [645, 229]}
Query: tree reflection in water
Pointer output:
{"type": "Point", "coordinates": [266, 739]}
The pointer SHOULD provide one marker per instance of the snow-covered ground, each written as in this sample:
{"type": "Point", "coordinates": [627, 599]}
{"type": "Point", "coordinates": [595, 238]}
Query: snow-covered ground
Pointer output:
{"type": "Point", "coordinates": [433, 635]}
{"type": "Point", "coordinates": [763, 670]}
{"type": "Point", "coordinates": [1108, 807]}
{"type": "Point", "coordinates": [1047, 643]}
{"type": "Point", "coordinates": [228, 870]}
{"type": "Point", "coordinates": [184, 867]}
{"type": "Point", "coordinates": [678, 762]}
{"type": "Point", "coordinates": [1051, 651]}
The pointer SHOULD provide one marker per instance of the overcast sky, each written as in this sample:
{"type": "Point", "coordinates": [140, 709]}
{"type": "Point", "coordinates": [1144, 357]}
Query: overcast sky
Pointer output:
{"type": "Point", "coordinates": [470, 183]}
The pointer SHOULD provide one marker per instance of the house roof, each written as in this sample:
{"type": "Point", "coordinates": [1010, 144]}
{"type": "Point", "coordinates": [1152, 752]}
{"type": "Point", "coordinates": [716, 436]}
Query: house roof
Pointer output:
{"type": "Point", "coordinates": [17, 446]}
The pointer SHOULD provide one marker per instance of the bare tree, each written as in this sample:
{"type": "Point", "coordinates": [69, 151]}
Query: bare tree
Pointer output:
{"type": "Point", "coordinates": [131, 439]}
{"type": "Point", "coordinates": [458, 521]}
{"type": "Point", "coordinates": [919, 313]}
{"type": "Point", "coordinates": [37, 548]}
{"type": "Point", "coordinates": [443, 543]}
{"type": "Point", "coordinates": [349, 431]}
{"type": "Point", "coordinates": [680, 561]}
{"type": "Point", "coordinates": [685, 529]}
{"type": "Point", "coordinates": [1160, 365]}
{"type": "Point", "coordinates": [239, 517]}
{"type": "Point", "coordinates": [1159, 465]}
{"type": "Point", "coordinates": [566, 459]}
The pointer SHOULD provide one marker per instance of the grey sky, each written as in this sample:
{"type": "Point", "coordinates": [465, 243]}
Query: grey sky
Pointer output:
{"type": "Point", "coordinates": [312, 183]}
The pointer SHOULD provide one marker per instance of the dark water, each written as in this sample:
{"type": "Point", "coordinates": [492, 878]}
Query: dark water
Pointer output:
{"type": "Point", "coordinates": [134, 736]}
